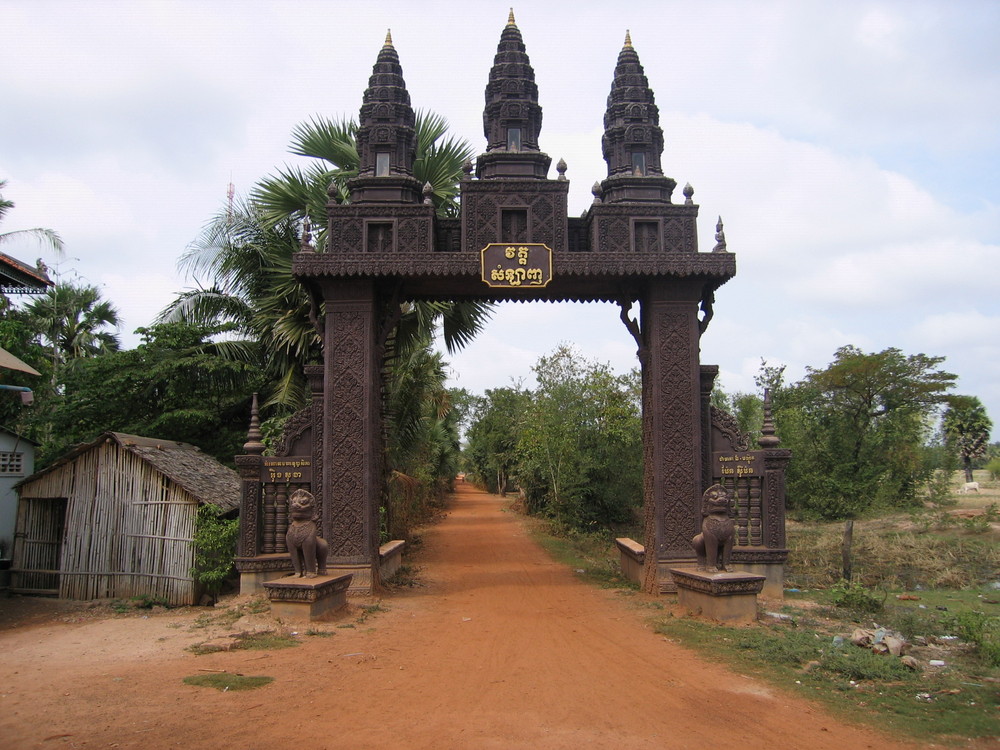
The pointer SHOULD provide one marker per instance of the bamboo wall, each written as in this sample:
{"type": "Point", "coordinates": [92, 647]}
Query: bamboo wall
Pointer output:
{"type": "Point", "coordinates": [128, 529]}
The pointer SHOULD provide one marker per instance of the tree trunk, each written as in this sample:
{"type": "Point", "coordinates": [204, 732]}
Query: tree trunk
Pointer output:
{"type": "Point", "coordinates": [968, 468]}
{"type": "Point", "coordinates": [845, 550]}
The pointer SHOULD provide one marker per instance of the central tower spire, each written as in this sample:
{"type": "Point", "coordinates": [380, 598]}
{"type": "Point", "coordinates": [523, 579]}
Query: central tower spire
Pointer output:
{"type": "Point", "coordinates": [512, 118]}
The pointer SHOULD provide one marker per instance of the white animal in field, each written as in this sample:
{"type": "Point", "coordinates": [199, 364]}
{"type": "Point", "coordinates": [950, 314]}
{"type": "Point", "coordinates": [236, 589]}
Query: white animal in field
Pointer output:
{"type": "Point", "coordinates": [969, 487]}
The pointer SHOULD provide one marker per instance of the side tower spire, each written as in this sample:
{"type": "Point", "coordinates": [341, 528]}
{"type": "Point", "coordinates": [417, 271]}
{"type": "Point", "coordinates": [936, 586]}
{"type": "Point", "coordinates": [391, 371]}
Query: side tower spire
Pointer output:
{"type": "Point", "coordinates": [386, 136]}
{"type": "Point", "coordinates": [633, 138]}
{"type": "Point", "coordinates": [512, 119]}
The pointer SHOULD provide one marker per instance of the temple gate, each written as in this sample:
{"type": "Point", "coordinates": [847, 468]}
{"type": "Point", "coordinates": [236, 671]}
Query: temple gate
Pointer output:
{"type": "Point", "coordinates": [514, 240]}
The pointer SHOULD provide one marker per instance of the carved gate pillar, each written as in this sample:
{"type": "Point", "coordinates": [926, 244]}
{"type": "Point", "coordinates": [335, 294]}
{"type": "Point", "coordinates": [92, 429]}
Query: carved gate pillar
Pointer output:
{"type": "Point", "coordinates": [672, 427]}
{"type": "Point", "coordinates": [352, 430]}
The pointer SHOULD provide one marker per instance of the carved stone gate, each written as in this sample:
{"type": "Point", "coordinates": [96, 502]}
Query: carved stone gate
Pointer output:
{"type": "Point", "coordinates": [513, 241]}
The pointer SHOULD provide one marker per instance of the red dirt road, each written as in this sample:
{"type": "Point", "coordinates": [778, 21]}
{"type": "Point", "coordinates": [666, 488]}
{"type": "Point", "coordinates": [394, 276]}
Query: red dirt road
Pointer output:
{"type": "Point", "coordinates": [502, 648]}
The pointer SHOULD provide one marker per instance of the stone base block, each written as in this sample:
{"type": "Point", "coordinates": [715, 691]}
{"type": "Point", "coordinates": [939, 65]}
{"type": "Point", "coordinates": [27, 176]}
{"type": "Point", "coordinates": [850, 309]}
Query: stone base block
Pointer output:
{"type": "Point", "coordinates": [308, 599]}
{"type": "Point", "coordinates": [631, 556]}
{"type": "Point", "coordinates": [774, 573]}
{"type": "Point", "coordinates": [390, 558]}
{"type": "Point", "coordinates": [725, 597]}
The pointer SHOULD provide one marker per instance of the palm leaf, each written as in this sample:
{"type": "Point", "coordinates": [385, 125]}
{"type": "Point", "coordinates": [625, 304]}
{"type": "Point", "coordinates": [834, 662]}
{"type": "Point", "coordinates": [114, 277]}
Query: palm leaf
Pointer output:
{"type": "Point", "coordinates": [331, 140]}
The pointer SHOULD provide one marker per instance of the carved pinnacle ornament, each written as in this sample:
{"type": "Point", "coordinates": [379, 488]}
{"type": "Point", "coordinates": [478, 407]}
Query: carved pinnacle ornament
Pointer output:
{"type": "Point", "coordinates": [306, 242]}
{"type": "Point", "coordinates": [253, 445]}
{"type": "Point", "coordinates": [768, 438]}
{"type": "Point", "coordinates": [386, 137]}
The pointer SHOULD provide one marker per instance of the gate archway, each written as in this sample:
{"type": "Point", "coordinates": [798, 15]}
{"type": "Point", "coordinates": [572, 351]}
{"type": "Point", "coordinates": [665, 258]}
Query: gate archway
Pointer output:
{"type": "Point", "coordinates": [513, 240]}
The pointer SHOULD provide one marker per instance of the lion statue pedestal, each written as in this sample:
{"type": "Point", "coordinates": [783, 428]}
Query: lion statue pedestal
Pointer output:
{"type": "Point", "coordinates": [713, 590]}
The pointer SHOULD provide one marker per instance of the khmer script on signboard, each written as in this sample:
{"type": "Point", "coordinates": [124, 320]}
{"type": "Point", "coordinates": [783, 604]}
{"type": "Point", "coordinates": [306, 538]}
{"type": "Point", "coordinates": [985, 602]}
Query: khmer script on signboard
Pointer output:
{"type": "Point", "coordinates": [286, 469]}
{"type": "Point", "coordinates": [512, 266]}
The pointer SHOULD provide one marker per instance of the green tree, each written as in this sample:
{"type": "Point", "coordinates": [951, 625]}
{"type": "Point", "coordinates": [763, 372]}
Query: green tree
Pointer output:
{"type": "Point", "coordinates": [856, 430]}
{"type": "Point", "coordinates": [422, 442]}
{"type": "Point", "coordinates": [747, 408]}
{"type": "Point", "coordinates": [491, 451]}
{"type": "Point", "coordinates": [168, 387]}
{"type": "Point", "coordinates": [73, 322]}
{"type": "Point", "coordinates": [967, 430]}
{"type": "Point", "coordinates": [580, 447]}
{"type": "Point", "coordinates": [17, 337]}
{"type": "Point", "coordinates": [247, 251]}
{"type": "Point", "coordinates": [253, 295]}
{"type": "Point", "coordinates": [214, 543]}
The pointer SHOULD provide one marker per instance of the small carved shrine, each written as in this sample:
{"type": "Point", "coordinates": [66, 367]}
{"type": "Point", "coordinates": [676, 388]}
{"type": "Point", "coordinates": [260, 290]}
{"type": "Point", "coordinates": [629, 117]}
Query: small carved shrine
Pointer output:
{"type": "Point", "coordinates": [514, 240]}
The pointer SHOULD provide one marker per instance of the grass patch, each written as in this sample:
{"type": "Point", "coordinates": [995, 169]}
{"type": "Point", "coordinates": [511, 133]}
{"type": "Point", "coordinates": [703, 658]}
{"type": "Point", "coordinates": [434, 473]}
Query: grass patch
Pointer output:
{"type": "Point", "coordinates": [945, 705]}
{"type": "Point", "coordinates": [224, 615]}
{"type": "Point", "coordinates": [267, 640]}
{"type": "Point", "coordinates": [893, 554]}
{"type": "Point", "coordinates": [227, 681]}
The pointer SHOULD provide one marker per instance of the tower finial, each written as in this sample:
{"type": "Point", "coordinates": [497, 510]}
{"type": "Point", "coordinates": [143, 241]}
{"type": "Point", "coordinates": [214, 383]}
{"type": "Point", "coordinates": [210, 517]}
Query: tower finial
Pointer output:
{"type": "Point", "coordinates": [388, 38]}
{"type": "Point", "coordinates": [628, 38]}
{"type": "Point", "coordinates": [767, 437]}
{"type": "Point", "coordinates": [510, 18]}
{"type": "Point", "coordinates": [253, 445]}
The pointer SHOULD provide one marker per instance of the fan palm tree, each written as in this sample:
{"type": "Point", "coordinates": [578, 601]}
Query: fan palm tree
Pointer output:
{"type": "Point", "coordinates": [248, 250]}
{"type": "Point", "coordinates": [73, 322]}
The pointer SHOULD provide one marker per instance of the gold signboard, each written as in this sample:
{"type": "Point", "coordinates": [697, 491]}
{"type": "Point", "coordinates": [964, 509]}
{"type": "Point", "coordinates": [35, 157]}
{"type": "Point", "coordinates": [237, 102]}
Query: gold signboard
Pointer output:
{"type": "Point", "coordinates": [286, 469]}
{"type": "Point", "coordinates": [516, 266]}
{"type": "Point", "coordinates": [739, 465]}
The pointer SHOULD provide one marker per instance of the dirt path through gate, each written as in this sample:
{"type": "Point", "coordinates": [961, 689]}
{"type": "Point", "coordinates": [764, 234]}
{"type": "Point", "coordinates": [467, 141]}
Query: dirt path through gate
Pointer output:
{"type": "Point", "coordinates": [502, 648]}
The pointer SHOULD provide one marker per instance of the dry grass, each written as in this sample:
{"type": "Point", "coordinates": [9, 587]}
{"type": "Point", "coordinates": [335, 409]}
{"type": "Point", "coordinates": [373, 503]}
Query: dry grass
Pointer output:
{"type": "Point", "coordinates": [893, 553]}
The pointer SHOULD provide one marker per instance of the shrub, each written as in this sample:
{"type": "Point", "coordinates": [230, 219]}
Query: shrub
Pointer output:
{"type": "Point", "coordinates": [214, 548]}
{"type": "Point", "coordinates": [983, 631]}
{"type": "Point", "coordinates": [855, 597]}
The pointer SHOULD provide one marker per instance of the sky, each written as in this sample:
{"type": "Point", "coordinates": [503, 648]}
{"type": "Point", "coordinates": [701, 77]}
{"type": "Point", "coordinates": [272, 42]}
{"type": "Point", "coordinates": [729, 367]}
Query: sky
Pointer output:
{"type": "Point", "coordinates": [852, 150]}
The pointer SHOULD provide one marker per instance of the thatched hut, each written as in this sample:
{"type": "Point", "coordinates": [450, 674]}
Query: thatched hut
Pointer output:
{"type": "Point", "coordinates": [116, 518]}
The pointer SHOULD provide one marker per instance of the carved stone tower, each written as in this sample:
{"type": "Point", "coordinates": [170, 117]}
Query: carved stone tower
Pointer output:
{"type": "Point", "coordinates": [513, 200]}
{"type": "Point", "coordinates": [386, 139]}
{"type": "Point", "coordinates": [633, 138]}
{"type": "Point", "coordinates": [512, 119]}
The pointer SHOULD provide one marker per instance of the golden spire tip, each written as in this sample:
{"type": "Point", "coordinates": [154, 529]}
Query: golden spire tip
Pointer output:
{"type": "Point", "coordinates": [628, 38]}
{"type": "Point", "coordinates": [510, 18]}
{"type": "Point", "coordinates": [388, 38]}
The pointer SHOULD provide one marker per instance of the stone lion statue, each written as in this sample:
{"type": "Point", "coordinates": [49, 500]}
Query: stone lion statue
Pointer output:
{"type": "Point", "coordinates": [715, 542]}
{"type": "Point", "coordinates": [307, 549]}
